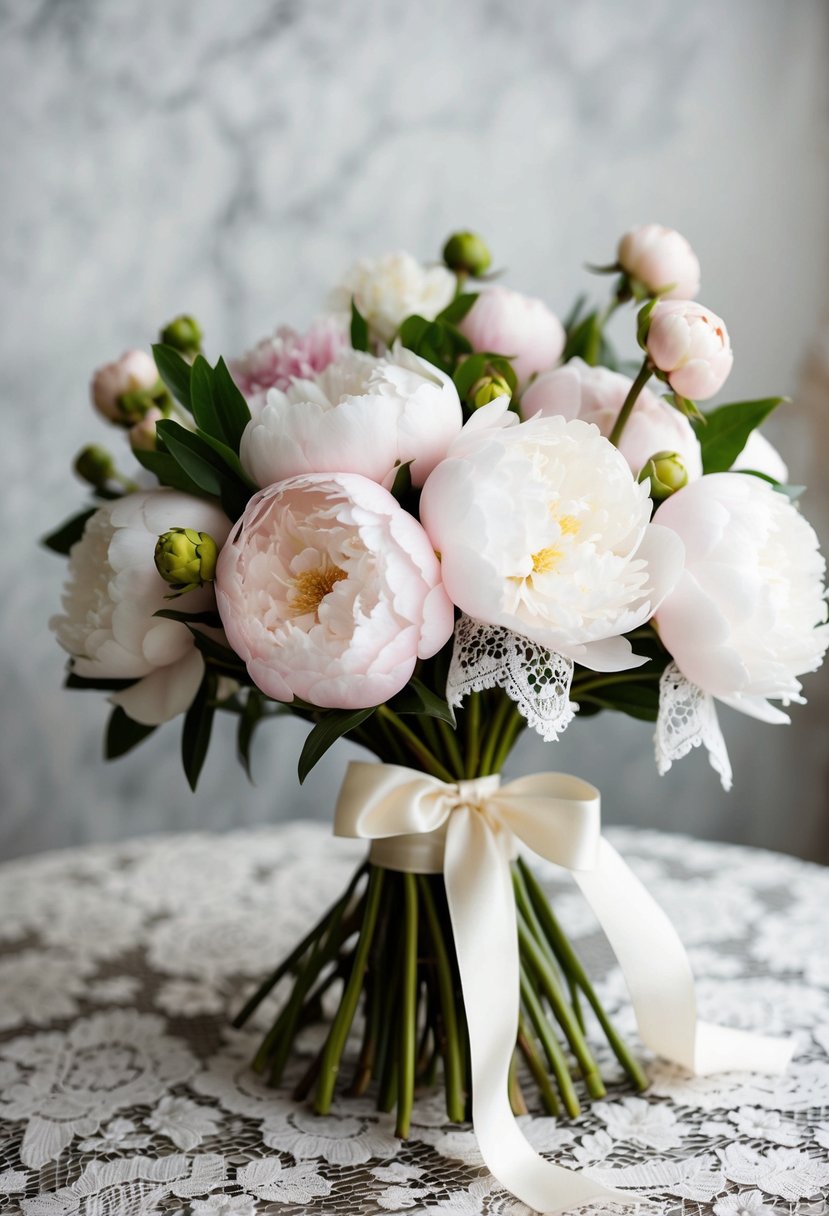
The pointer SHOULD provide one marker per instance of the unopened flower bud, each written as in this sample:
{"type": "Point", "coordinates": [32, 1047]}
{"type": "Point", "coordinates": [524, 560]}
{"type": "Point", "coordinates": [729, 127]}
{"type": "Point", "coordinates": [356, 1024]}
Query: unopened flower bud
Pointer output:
{"type": "Point", "coordinates": [666, 473]}
{"type": "Point", "coordinates": [183, 334]}
{"type": "Point", "coordinates": [186, 559]}
{"type": "Point", "coordinates": [122, 391]}
{"type": "Point", "coordinates": [487, 389]}
{"type": "Point", "coordinates": [467, 253]}
{"type": "Point", "coordinates": [95, 466]}
{"type": "Point", "coordinates": [142, 436]}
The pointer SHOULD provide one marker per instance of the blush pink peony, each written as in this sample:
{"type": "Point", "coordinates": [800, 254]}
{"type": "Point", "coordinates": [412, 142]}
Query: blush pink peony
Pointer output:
{"type": "Point", "coordinates": [361, 415]}
{"type": "Point", "coordinates": [690, 344]}
{"type": "Point", "coordinates": [329, 591]}
{"type": "Point", "coordinates": [543, 529]}
{"type": "Point", "coordinates": [287, 355]}
{"type": "Point", "coordinates": [504, 322]}
{"type": "Point", "coordinates": [134, 372]}
{"type": "Point", "coordinates": [596, 395]}
{"type": "Point", "coordinates": [658, 258]}
{"type": "Point", "coordinates": [747, 616]}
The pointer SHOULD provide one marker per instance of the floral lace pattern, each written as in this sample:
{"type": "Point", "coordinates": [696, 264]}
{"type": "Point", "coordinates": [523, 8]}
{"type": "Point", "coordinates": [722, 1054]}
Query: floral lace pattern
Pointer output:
{"type": "Point", "coordinates": [688, 719]}
{"type": "Point", "coordinates": [123, 1091]}
{"type": "Point", "coordinates": [537, 680]}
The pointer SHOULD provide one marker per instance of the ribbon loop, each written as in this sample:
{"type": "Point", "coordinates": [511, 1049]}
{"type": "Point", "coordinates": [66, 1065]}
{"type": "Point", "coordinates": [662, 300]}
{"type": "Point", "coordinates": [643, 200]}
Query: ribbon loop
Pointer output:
{"type": "Point", "coordinates": [468, 831]}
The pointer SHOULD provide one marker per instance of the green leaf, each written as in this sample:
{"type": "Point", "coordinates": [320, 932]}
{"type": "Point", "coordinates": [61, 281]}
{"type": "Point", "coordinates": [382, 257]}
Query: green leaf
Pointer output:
{"type": "Point", "coordinates": [417, 698]}
{"type": "Point", "coordinates": [123, 734]}
{"type": "Point", "coordinates": [436, 342]}
{"type": "Point", "coordinates": [250, 718]}
{"type": "Point", "coordinates": [359, 328]}
{"type": "Point", "coordinates": [335, 724]}
{"type": "Point", "coordinates": [195, 457]}
{"type": "Point", "coordinates": [636, 700]}
{"type": "Point", "coordinates": [643, 321]}
{"type": "Point", "coordinates": [84, 683]}
{"type": "Point", "coordinates": [70, 531]}
{"type": "Point", "coordinates": [471, 369]}
{"type": "Point", "coordinates": [174, 371]}
{"type": "Point", "coordinates": [195, 735]}
{"type": "Point", "coordinates": [211, 649]}
{"type": "Point", "coordinates": [168, 471]}
{"type": "Point", "coordinates": [211, 619]}
{"type": "Point", "coordinates": [231, 407]}
{"type": "Point", "coordinates": [457, 310]}
{"type": "Point", "coordinates": [724, 432]}
{"type": "Point", "coordinates": [584, 340]}
{"type": "Point", "coordinates": [228, 455]}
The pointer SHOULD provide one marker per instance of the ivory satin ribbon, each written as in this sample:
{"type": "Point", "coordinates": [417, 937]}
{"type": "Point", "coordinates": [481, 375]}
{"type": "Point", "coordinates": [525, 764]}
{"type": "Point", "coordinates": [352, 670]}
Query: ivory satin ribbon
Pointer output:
{"type": "Point", "coordinates": [468, 832]}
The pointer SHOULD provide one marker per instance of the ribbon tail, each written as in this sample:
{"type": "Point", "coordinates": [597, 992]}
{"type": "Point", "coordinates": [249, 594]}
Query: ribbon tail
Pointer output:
{"type": "Point", "coordinates": [482, 909]}
{"type": "Point", "coordinates": [660, 981]}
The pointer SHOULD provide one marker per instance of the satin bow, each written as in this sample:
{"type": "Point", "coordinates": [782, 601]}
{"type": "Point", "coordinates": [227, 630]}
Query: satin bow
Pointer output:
{"type": "Point", "coordinates": [468, 831]}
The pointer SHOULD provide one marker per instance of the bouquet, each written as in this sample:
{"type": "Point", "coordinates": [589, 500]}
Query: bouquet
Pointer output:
{"type": "Point", "coordinates": [437, 518]}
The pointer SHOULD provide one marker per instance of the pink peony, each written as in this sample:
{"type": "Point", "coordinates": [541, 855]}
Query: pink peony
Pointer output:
{"type": "Point", "coordinates": [596, 395]}
{"type": "Point", "coordinates": [658, 258]}
{"type": "Point", "coordinates": [134, 372]}
{"type": "Point", "coordinates": [746, 617]}
{"type": "Point", "coordinates": [361, 415]}
{"type": "Point", "coordinates": [690, 344]}
{"type": "Point", "coordinates": [505, 322]}
{"type": "Point", "coordinates": [276, 361]}
{"type": "Point", "coordinates": [329, 591]}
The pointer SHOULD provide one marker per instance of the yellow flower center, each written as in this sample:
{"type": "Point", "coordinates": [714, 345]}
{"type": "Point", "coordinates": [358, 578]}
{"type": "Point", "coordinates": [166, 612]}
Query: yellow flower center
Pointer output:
{"type": "Point", "coordinates": [569, 525]}
{"type": "Point", "coordinates": [311, 588]}
{"type": "Point", "coordinates": [546, 560]}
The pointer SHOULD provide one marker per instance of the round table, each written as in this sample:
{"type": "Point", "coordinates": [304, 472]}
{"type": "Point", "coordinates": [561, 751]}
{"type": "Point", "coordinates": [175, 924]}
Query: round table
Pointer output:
{"type": "Point", "coordinates": [123, 1090]}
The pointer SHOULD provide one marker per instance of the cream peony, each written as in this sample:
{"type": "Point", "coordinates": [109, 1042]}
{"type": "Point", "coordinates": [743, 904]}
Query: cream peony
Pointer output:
{"type": "Point", "coordinates": [690, 344]}
{"type": "Point", "coordinates": [329, 591]}
{"type": "Point", "coordinates": [388, 289]}
{"type": "Point", "coordinates": [762, 457]}
{"type": "Point", "coordinates": [505, 322]}
{"type": "Point", "coordinates": [660, 257]}
{"type": "Point", "coordinates": [543, 529]}
{"type": "Point", "coordinates": [112, 591]}
{"type": "Point", "coordinates": [595, 394]}
{"type": "Point", "coordinates": [746, 617]}
{"type": "Point", "coordinates": [361, 415]}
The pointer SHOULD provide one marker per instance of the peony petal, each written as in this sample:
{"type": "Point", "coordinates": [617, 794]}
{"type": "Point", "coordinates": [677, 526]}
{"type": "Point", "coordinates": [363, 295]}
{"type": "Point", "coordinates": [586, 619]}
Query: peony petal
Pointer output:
{"type": "Point", "coordinates": [165, 693]}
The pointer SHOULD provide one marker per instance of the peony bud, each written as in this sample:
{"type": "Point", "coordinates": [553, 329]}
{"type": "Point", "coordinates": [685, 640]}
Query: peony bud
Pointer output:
{"type": "Point", "coordinates": [183, 334]}
{"type": "Point", "coordinates": [123, 391]}
{"type": "Point", "coordinates": [660, 258]}
{"type": "Point", "coordinates": [666, 473]}
{"type": "Point", "coordinates": [466, 253]}
{"type": "Point", "coordinates": [142, 436]}
{"type": "Point", "coordinates": [487, 389]}
{"type": "Point", "coordinates": [95, 466]}
{"type": "Point", "coordinates": [186, 559]}
{"type": "Point", "coordinates": [690, 346]}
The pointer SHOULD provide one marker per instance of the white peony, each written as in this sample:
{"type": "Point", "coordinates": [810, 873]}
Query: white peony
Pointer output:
{"type": "Point", "coordinates": [112, 591]}
{"type": "Point", "coordinates": [361, 415]}
{"type": "Point", "coordinates": [596, 394]}
{"type": "Point", "coordinates": [542, 529]}
{"type": "Point", "coordinates": [746, 617]}
{"type": "Point", "coordinates": [388, 289]}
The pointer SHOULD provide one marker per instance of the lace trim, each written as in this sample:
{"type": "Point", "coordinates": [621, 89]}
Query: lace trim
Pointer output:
{"type": "Point", "coordinates": [687, 719]}
{"type": "Point", "coordinates": [537, 680]}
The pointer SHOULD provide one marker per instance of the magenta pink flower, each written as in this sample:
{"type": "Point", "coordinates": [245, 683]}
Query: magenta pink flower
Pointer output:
{"type": "Point", "coordinates": [287, 355]}
{"type": "Point", "coordinates": [329, 591]}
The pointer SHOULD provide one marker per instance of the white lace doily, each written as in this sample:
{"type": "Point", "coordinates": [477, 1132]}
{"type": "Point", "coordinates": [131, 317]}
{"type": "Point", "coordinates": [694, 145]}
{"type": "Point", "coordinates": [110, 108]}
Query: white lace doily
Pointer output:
{"type": "Point", "coordinates": [687, 719]}
{"type": "Point", "coordinates": [124, 1093]}
{"type": "Point", "coordinates": [537, 680]}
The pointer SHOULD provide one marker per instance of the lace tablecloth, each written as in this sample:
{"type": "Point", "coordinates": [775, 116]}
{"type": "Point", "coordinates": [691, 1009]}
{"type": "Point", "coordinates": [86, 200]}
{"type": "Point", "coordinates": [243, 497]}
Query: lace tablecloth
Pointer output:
{"type": "Point", "coordinates": [123, 1091]}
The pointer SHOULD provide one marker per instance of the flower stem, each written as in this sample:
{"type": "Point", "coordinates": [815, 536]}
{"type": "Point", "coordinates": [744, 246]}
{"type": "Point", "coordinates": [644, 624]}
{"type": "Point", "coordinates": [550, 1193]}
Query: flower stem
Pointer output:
{"type": "Point", "coordinates": [644, 375]}
{"type": "Point", "coordinates": [407, 1044]}
{"type": "Point", "coordinates": [416, 746]}
{"type": "Point", "coordinates": [348, 1002]}
{"type": "Point", "coordinates": [451, 746]}
{"type": "Point", "coordinates": [552, 1049]}
{"type": "Point", "coordinates": [496, 726]}
{"type": "Point", "coordinates": [473, 733]}
{"type": "Point", "coordinates": [449, 1041]}
{"type": "Point", "coordinates": [536, 1066]}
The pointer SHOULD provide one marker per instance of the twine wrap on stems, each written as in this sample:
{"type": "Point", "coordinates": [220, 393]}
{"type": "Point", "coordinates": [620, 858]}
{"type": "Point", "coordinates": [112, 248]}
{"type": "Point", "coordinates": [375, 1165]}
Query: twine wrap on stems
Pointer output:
{"type": "Point", "coordinates": [467, 831]}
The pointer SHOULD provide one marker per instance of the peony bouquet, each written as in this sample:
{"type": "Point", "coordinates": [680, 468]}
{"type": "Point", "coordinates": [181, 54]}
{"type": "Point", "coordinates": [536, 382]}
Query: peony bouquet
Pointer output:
{"type": "Point", "coordinates": [437, 518]}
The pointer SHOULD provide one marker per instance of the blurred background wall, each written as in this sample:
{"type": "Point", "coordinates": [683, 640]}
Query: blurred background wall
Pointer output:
{"type": "Point", "coordinates": [233, 160]}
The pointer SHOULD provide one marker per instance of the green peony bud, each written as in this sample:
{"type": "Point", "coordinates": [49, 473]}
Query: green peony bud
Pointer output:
{"type": "Point", "coordinates": [183, 334]}
{"type": "Point", "coordinates": [666, 473]}
{"type": "Point", "coordinates": [186, 559]}
{"type": "Point", "coordinates": [466, 253]}
{"type": "Point", "coordinates": [95, 466]}
{"type": "Point", "coordinates": [487, 389]}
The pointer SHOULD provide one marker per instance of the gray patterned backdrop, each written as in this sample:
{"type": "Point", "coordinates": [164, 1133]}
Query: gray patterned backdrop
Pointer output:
{"type": "Point", "coordinates": [233, 159]}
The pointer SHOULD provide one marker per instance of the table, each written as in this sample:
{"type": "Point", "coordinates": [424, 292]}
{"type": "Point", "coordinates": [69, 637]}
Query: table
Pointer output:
{"type": "Point", "coordinates": [124, 1092]}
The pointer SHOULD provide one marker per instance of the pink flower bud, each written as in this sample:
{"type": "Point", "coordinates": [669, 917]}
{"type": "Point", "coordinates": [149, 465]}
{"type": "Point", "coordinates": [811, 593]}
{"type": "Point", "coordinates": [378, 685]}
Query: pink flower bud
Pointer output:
{"type": "Point", "coordinates": [690, 344]}
{"type": "Point", "coordinates": [660, 257]}
{"type": "Point", "coordinates": [505, 322]}
{"type": "Point", "coordinates": [142, 436]}
{"type": "Point", "coordinates": [134, 372]}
